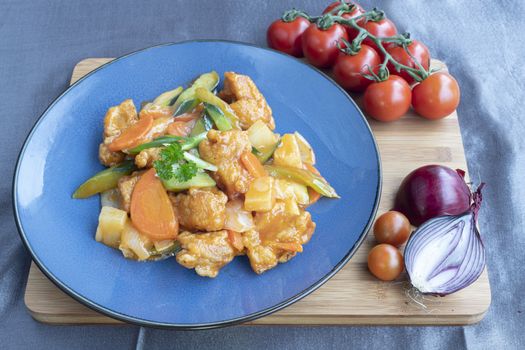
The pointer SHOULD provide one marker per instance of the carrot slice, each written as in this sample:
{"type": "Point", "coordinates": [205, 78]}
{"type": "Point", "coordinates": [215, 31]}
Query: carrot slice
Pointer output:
{"type": "Point", "coordinates": [156, 112]}
{"type": "Point", "coordinates": [179, 128]}
{"type": "Point", "coordinates": [289, 246]}
{"type": "Point", "coordinates": [313, 195]}
{"type": "Point", "coordinates": [253, 165]}
{"type": "Point", "coordinates": [151, 209]}
{"type": "Point", "coordinates": [235, 239]}
{"type": "Point", "coordinates": [133, 135]}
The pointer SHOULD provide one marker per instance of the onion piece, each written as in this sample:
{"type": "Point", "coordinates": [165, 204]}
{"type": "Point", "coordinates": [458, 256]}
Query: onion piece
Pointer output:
{"type": "Point", "coordinates": [110, 198]}
{"type": "Point", "coordinates": [238, 219]}
{"type": "Point", "coordinates": [446, 253]}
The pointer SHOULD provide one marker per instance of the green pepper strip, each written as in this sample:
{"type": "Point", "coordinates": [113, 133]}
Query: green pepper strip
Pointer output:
{"type": "Point", "coordinates": [218, 117]}
{"type": "Point", "coordinates": [266, 154]}
{"type": "Point", "coordinates": [208, 97]}
{"type": "Point", "coordinates": [158, 142]}
{"type": "Point", "coordinates": [192, 142]}
{"type": "Point", "coordinates": [104, 180]}
{"type": "Point", "coordinates": [304, 177]}
{"type": "Point", "coordinates": [207, 81]}
{"type": "Point", "coordinates": [188, 142]}
{"type": "Point", "coordinates": [155, 255]}
{"type": "Point", "coordinates": [167, 98]}
{"type": "Point", "coordinates": [185, 106]}
{"type": "Point", "coordinates": [203, 124]}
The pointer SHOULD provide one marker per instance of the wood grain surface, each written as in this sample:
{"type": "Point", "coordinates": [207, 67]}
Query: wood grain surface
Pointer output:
{"type": "Point", "coordinates": [352, 296]}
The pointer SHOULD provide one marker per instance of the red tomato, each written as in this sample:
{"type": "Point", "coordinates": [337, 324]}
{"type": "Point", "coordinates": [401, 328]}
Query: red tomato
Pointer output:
{"type": "Point", "coordinates": [416, 49]}
{"type": "Point", "coordinates": [387, 100]}
{"type": "Point", "coordinates": [381, 29]}
{"type": "Point", "coordinates": [358, 10]}
{"type": "Point", "coordinates": [286, 36]}
{"type": "Point", "coordinates": [437, 96]}
{"type": "Point", "coordinates": [392, 228]}
{"type": "Point", "coordinates": [385, 262]}
{"type": "Point", "coordinates": [320, 46]}
{"type": "Point", "coordinates": [348, 68]}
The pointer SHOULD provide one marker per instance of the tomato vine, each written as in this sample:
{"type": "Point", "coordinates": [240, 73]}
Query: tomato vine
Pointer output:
{"type": "Point", "coordinates": [327, 20]}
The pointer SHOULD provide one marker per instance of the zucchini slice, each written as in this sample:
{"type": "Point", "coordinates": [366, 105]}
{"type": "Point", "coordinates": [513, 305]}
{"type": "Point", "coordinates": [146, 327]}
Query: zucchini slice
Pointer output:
{"type": "Point", "coordinates": [201, 179]}
{"type": "Point", "coordinates": [186, 100]}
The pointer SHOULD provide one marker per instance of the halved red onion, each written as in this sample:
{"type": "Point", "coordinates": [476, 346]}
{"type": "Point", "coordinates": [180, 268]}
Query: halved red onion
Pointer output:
{"type": "Point", "coordinates": [446, 253]}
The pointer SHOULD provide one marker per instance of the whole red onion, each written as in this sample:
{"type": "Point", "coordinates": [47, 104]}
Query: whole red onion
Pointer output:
{"type": "Point", "coordinates": [431, 191]}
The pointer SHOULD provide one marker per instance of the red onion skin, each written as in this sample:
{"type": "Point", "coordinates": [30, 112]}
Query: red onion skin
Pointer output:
{"type": "Point", "coordinates": [431, 191]}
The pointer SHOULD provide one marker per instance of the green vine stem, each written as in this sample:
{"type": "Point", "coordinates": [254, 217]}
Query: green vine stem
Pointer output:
{"type": "Point", "coordinates": [418, 64]}
{"type": "Point", "coordinates": [352, 48]}
{"type": "Point", "coordinates": [418, 74]}
{"type": "Point", "coordinates": [326, 21]}
{"type": "Point", "coordinates": [291, 15]}
{"type": "Point", "coordinates": [343, 7]}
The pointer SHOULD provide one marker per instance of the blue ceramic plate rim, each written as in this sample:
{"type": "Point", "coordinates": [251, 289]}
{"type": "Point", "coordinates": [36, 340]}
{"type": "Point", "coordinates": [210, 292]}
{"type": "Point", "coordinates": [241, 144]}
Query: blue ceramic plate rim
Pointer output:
{"type": "Point", "coordinates": [250, 317]}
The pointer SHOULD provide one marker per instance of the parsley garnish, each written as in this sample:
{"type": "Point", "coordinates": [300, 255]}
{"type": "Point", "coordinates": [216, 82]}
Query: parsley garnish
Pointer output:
{"type": "Point", "coordinates": [172, 164]}
{"type": "Point", "coordinates": [186, 171]}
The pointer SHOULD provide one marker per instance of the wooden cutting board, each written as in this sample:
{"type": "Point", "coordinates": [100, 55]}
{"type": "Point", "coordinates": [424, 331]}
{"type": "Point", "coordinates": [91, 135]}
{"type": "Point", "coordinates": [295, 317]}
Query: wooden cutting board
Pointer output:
{"type": "Point", "coordinates": [352, 296]}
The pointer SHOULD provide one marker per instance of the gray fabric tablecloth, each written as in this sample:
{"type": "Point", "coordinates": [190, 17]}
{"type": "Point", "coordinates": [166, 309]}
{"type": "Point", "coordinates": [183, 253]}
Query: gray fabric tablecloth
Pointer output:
{"type": "Point", "coordinates": [482, 42]}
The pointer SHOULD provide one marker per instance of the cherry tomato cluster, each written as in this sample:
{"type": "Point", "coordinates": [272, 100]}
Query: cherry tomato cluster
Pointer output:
{"type": "Point", "coordinates": [385, 260]}
{"type": "Point", "coordinates": [367, 55]}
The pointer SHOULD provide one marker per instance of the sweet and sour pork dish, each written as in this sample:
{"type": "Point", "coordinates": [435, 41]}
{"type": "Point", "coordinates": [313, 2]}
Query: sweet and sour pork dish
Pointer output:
{"type": "Point", "coordinates": [202, 176]}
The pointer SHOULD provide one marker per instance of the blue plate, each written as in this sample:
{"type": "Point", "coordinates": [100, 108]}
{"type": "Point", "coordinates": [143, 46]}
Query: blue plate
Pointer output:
{"type": "Point", "coordinates": [61, 152]}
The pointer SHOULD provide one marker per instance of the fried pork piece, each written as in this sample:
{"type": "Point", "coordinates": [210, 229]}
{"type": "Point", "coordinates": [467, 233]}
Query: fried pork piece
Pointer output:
{"type": "Point", "coordinates": [126, 184]}
{"type": "Point", "coordinates": [278, 235]}
{"type": "Point", "coordinates": [207, 253]}
{"type": "Point", "coordinates": [109, 158]}
{"type": "Point", "coordinates": [223, 149]}
{"type": "Point", "coordinates": [119, 118]}
{"type": "Point", "coordinates": [262, 257]}
{"type": "Point", "coordinates": [283, 225]}
{"type": "Point", "coordinates": [146, 157]}
{"type": "Point", "coordinates": [116, 120]}
{"type": "Point", "coordinates": [246, 100]}
{"type": "Point", "coordinates": [201, 209]}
